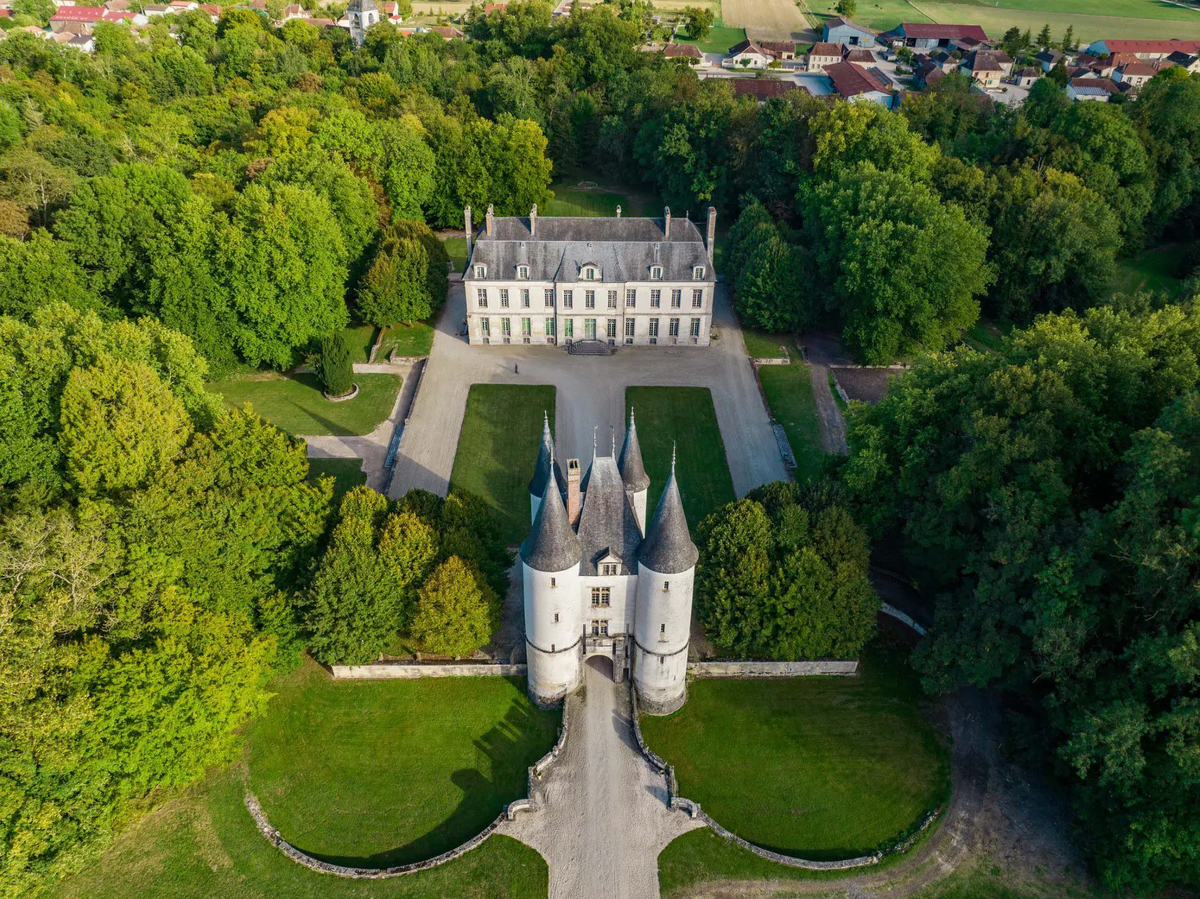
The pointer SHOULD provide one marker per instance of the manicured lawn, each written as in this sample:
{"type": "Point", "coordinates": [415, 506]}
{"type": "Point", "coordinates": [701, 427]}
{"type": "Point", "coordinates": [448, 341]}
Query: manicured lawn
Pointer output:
{"type": "Point", "coordinates": [379, 773]}
{"type": "Point", "coordinates": [457, 248]}
{"type": "Point", "coordinates": [293, 403]}
{"type": "Point", "coordinates": [205, 845]}
{"type": "Point", "coordinates": [720, 38]}
{"type": "Point", "coordinates": [408, 340]}
{"type": "Point", "coordinates": [346, 473]}
{"type": "Point", "coordinates": [761, 345]}
{"type": "Point", "coordinates": [498, 447]}
{"type": "Point", "coordinates": [821, 767]}
{"type": "Point", "coordinates": [789, 393]}
{"type": "Point", "coordinates": [1156, 269]}
{"type": "Point", "coordinates": [685, 416]}
{"type": "Point", "coordinates": [603, 199]}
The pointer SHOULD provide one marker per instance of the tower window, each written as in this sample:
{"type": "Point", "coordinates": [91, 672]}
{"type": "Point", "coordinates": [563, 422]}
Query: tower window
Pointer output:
{"type": "Point", "coordinates": [552, 647]}
{"type": "Point", "coordinates": [666, 586]}
{"type": "Point", "coordinates": [553, 582]}
{"type": "Point", "coordinates": [601, 596]}
{"type": "Point", "coordinates": [662, 628]}
{"type": "Point", "coordinates": [556, 617]}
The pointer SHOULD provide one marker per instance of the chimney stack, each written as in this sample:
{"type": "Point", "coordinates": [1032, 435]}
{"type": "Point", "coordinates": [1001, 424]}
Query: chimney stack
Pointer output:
{"type": "Point", "coordinates": [667, 222]}
{"type": "Point", "coordinates": [618, 210]}
{"type": "Point", "coordinates": [710, 237]}
{"type": "Point", "coordinates": [574, 505]}
{"type": "Point", "coordinates": [470, 234]}
{"type": "Point", "coordinates": [533, 220]}
{"type": "Point", "coordinates": [488, 220]}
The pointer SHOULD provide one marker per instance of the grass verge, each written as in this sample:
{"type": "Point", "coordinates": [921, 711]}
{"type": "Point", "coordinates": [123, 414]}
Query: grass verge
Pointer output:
{"type": "Point", "coordinates": [408, 340]}
{"type": "Point", "coordinates": [456, 247]}
{"type": "Point", "coordinates": [789, 393]}
{"type": "Point", "coordinates": [816, 767]}
{"type": "Point", "coordinates": [346, 473]}
{"type": "Point", "coordinates": [379, 773]}
{"type": "Point", "coordinates": [761, 345]}
{"type": "Point", "coordinates": [498, 447]}
{"type": "Point", "coordinates": [683, 419]}
{"type": "Point", "coordinates": [294, 403]}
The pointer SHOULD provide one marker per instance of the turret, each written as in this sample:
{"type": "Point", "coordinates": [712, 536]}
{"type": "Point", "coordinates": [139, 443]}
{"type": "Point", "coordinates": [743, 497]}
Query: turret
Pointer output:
{"type": "Point", "coordinates": [543, 469]}
{"type": "Point", "coordinates": [633, 473]}
{"type": "Point", "coordinates": [666, 570]}
{"type": "Point", "coordinates": [550, 559]}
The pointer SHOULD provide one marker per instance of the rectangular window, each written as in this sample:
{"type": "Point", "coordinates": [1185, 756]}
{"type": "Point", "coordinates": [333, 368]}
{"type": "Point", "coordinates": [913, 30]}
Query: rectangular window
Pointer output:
{"type": "Point", "coordinates": [698, 273]}
{"type": "Point", "coordinates": [524, 298]}
{"type": "Point", "coordinates": [655, 299]}
{"type": "Point", "coordinates": [506, 327]}
{"type": "Point", "coordinates": [656, 271]}
{"type": "Point", "coordinates": [612, 299]}
{"type": "Point", "coordinates": [549, 297]}
{"type": "Point", "coordinates": [695, 332]}
{"type": "Point", "coordinates": [549, 327]}
{"type": "Point", "coordinates": [673, 328]}
{"type": "Point", "coordinates": [568, 299]}
{"type": "Point", "coordinates": [654, 327]}
{"type": "Point", "coordinates": [479, 271]}
{"type": "Point", "coordinates": [629, 326]}
{"type": "Point", "coordinates": [503, 298]}
{"type": "Point", "coordinates": [485, 327]}
{"type": "Point", "coordinates": [697, 299]}
{"type": "Point", "coordinates": [662, 628]}
{"type": "Point", "coordinates": [569, 328]}
{"type": "Point", "coordinates": [676, 299]}
{"type": "Point", "coordinates": [522, 272]}
{"type": "Point", "coordinates": [612, 327]}
{"type": "Point", "coordinates": [526, 327]}
{"type": "Point", "coordinates": [589, 299]}
{"type": "Point", "coordinates": [609, 569]}
{"type": "Point", "coordinates": [601, 595]}
{"type": "Point", "coordinates": [589, 329]}
{"type": "Point", "coordinates": [599, 627]}
{"type": "Point", "coordinates": [481, 296]}
{"type": "Point", "coordinates": [631, 297]}
{"type": "Point", "coordinates": [556, 613]}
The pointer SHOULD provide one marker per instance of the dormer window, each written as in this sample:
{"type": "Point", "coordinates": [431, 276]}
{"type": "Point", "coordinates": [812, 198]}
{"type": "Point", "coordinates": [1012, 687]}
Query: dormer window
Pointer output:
{"type": "Point", "coordinates": [697, 273]}
{"type": "Point", "coordinates": [523, 272]}
{"type": "Point", "coordinates": [656, 273]}
{"type": "Point", "coordinates": [480, 271]}
{"type": "Point", "coordinates": [590, 273]}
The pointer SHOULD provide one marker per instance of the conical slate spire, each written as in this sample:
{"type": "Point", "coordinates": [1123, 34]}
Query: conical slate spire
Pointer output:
{"type": "Point", "coordinates": [633, 472]}
{"type": "Point", "coordinates": [668, 547]}
{"type": "Point", "coordinates": [545, 463]}
{"type": "Point", "coordinates": [551, 545]}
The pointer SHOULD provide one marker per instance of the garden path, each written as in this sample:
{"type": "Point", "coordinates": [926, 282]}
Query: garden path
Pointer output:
{"type": "Point", "coordinates": [591, 394]}
{"type": "Point", "coordinates": [602, 818]}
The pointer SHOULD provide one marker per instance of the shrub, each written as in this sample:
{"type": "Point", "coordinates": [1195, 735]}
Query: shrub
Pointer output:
{"type": "Point", "coordinates": [336, 366]}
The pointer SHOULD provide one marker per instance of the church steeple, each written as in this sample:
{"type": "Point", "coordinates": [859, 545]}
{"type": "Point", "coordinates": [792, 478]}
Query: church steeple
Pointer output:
{"type": "Point", "coordinates": [668, 547]}
{"type": "Point", "coordinates": [633, 472]}
{"type": "Point", "coordinates": [551, 545]}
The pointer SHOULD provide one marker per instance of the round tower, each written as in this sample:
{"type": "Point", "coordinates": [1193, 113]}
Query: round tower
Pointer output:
{"type": "Point", "coordinates": [543, 469]}
{"type": "Point", "coordinates": [662, 625]}
{"type": "Point", "coordinates": [633, 473]}
{"type": "Point", "coordinates": [553, 611]}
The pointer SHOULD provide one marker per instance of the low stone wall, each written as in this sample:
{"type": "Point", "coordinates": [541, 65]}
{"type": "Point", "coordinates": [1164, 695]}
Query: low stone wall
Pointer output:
{"type": "Point", "coordinates": [693, 810]}
{"type": "Point", "coordinates": [903, 617]}
{"type": "Point", "coordinates": [770, 669]}
{"type": "Point", "coordinates": [762, 360]}
{"type": "Point", "coordinates": [409, 670]}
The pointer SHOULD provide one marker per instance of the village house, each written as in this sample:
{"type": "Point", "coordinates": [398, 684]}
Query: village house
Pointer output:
{"type": "Point", "coordinates": [1145, 50]}
{"type": "Point", "coordinates": [747, 55]}
{"type": "Point", "coordinates": [779, 49]}
{"type": "Point", "coordinates": [857, 84]}
{"type": "Point", "coordinates": [860, 55]}
{"type": "Point", "coordinates": [82, 19]}
{"type": "Point", "coordinates": [644, 281]}
{"type": "Point", "coordinates": [927, 73]}
{"type": "Point", "coordinates": [1099, 89]}
{"type": "Point", "coordinates": [822, 55]}
{"type": "Point", "coordinates": [690, 52]}
{"type": "Point", "coordinates": [1026, 77]}
{"type": "Point", "coordinates": [840, 30]}
{"type": "Point", "coordinates": [1189, 61]}
{"type": "Point", "coordinates": [1134, 74]}
{"type": "Point", "coordinates": [930, 36]}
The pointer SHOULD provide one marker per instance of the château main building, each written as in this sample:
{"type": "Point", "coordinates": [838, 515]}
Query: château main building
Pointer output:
{"type": "Point", "coordinates": [556, 280]}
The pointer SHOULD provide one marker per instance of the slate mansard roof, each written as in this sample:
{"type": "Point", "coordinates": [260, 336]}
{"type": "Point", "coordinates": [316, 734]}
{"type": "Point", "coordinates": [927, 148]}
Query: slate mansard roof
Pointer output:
{"type": "Point", "coordinates": [623, 249]}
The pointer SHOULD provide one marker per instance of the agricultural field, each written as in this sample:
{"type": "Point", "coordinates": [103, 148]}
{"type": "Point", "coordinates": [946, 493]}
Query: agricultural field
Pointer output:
{"type": "Point", "coordinates": [1121, 18]}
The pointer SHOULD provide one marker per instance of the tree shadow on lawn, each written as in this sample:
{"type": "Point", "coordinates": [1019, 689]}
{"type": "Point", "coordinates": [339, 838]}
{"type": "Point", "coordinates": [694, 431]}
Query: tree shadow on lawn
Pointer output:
{"type": "Point", "coordinates": [506, 752]}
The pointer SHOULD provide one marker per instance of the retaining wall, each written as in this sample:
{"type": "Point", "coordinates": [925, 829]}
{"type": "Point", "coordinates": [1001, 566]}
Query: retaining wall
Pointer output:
{"type": "Point", "coordinates": [903, 617]}
{"type": "Point", "coordinates": [770, 669]}
{"type": "Point", "coordinates": [764, 360]}
{"type": "Point", "coordinates": [409, 670]}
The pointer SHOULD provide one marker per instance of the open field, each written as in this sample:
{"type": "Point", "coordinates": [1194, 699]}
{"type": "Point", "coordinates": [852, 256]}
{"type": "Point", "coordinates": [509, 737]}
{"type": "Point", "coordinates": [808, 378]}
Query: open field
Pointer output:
{"type": "Point", "coordinates": [498, 447]}
{"type": "Point", "coordinates": [789, 393]}
{"type": "Point", "coordinates": [767, 19]}
{"type": "Point", "coordinates": [379, 773]}
{"type": "Point", "coordinates": [346, 473]}
{"type": "Point", "coordinates": [294, 403]}
{"type": "Point", "coordinates": [720, 37]}
{"type": "Point", "coordinates": [1122, 18]}
{"type": "Point", "coordinates": [682, 418]}
{"type": "Point", "coordinates": [1155, 269]}
{"type": "Point", "coordinates": [821, 767]}
{"type": "Point", "coordinates": [351, 771]}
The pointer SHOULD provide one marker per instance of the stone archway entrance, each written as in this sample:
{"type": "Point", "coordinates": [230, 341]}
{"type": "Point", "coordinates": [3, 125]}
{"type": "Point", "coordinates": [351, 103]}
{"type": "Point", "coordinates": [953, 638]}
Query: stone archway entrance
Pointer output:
{"type": "Point", "coordinates": [603, 665]}
{"type": "Point", "coordinates": [610, 649]}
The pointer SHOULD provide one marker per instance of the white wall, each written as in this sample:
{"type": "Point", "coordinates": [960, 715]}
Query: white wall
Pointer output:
{"type": "Point", "coordinates": [662, 630]}
{"type": "Point", "coordinates": [622, 602]}
{"type": "Point", "coordinates": [554, 649]}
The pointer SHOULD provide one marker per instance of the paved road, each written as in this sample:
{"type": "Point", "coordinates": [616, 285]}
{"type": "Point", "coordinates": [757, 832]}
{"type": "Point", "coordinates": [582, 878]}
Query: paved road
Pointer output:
{"type": "Point", "coordinates": [603, 817]}
{"type": "Point", "coordinates": [591, 393]}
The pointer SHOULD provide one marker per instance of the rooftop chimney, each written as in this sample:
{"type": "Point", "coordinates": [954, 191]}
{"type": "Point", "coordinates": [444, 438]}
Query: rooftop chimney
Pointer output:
{"type": "Point", "coordinates": [467, 222]}
{"type": "Point", "coordinates": [710, 236]}
{"type": "Point", "coordinates": [533, 220]}
{"type": "Point", "coordinates": [618, 210]}
{"type": "Point", "coordinates": [574, 506]}
{"type": "Point", "coordinates": [488, 221]}
{"type": "Point", "coordinates": [667, 222]}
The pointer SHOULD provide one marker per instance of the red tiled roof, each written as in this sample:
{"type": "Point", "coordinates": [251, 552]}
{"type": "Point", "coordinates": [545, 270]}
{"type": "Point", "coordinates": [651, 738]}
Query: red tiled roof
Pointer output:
{"type": "Point", "coordinates": [942, 32]}
{"type": "Point", "coordinates": [859, 54]}
{"type": "Point", "coordinates": [79, 14]}
{"type": "Point", "coordinates": [1164, 47]}
{"type": "Point", "coordinates": [824, 48]}
{"type": "Point", "coordinates": [747, 46]}
{"type": "Point", "coordinates": [1139, 68]}
{"type": "Point", "coordinates": [850, 80]}
{"type": "Point", "coordinates": [1102, 84]}
{"type": "Point", "coordinates": [682, 51]}
{"type": "Point", "coordinates": [778, 47]}
{"type": "Point", "coordinates": [762, 88]}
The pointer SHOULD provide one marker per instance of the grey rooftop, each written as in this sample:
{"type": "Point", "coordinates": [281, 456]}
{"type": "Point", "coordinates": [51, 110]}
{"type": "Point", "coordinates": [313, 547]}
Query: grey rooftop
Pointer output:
{"type": "Point", "coordinates": [668, 547]}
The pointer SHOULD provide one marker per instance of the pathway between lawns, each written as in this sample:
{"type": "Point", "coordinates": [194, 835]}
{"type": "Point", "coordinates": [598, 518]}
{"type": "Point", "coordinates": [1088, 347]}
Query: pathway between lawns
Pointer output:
{"type": "Point", "coordinates": [603, 816]}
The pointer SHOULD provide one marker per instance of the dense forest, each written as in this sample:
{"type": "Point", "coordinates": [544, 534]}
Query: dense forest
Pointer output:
{"type": "Point", "coordinates": [231, 194]}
